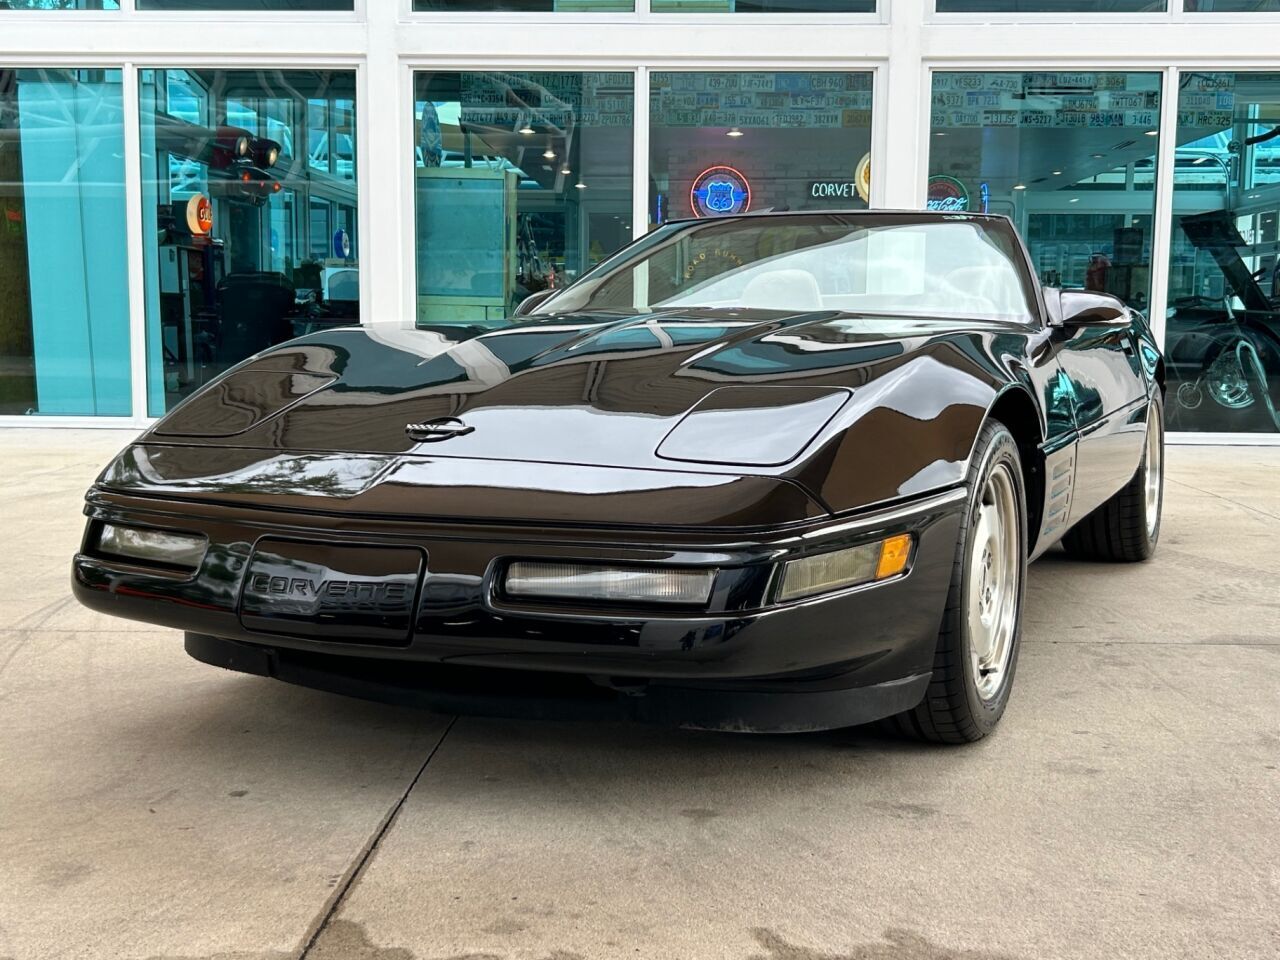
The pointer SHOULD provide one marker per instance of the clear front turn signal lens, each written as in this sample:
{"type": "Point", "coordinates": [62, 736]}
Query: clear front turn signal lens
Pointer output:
{"type": "Point", "coordinates": [829, 571]}
{"type": "Point", "coordinates": [162, 547]}
{"type": "Point", "coordinates": [824, 572]}
{"type": "Point", "coordinates": [582, 581]}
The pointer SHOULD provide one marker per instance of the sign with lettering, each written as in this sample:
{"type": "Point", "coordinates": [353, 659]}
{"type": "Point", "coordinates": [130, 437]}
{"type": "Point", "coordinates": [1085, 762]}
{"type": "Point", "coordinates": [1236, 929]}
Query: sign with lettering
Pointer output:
{"type": "Point", "coordinates": [833, 189]}
{"type": "Point", "coordinates": [947, 193]}
{"type": "Point", "coordinates": [199, 216]}
{"type": "Point", "coordinates": [719, 191]}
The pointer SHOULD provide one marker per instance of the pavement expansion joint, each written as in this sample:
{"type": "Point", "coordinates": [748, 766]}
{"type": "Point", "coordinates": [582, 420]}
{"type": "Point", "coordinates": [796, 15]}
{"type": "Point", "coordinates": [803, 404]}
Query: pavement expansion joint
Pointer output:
{"type": "Point", "coordinates": [339, 895]}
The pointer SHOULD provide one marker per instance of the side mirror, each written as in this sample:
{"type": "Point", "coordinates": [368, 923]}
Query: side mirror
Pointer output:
{"type": "Point", "coordinates": [1085, 308]}
{"type": "Point", "coordinates": [527, 305]}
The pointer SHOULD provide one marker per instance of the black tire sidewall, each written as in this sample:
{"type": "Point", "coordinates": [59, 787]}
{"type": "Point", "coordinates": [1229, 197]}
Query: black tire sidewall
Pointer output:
{"type": "Point", "coordinates": [1000, 448]}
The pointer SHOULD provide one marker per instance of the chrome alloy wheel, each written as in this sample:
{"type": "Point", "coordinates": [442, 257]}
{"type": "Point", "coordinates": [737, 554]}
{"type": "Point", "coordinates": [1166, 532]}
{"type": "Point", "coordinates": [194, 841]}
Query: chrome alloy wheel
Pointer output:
{"type": "Point", "coordinates": [1154, 471]}
{"type": "Point", "coordinates": [995, 571]}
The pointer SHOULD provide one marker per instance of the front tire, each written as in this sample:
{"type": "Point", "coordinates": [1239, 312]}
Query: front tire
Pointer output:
{"type": "Point", "coordinates": [981, 629]}
{"type": "Point", "coordinates": [1126, 528]}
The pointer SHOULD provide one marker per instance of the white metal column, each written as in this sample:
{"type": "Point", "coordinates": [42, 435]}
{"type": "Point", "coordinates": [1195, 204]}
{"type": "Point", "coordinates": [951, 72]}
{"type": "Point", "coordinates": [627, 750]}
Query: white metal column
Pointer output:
{"type": "Point", "coordinates": [905, 105]}
{"type": "Point", "coordinates": [640, 156]}
{"type": "Point", "coordinates": [135, 249]}
{"type": "Point", "coordinates": [385, 114]}
{"type": "Point", "coordinates": [1162, 222]}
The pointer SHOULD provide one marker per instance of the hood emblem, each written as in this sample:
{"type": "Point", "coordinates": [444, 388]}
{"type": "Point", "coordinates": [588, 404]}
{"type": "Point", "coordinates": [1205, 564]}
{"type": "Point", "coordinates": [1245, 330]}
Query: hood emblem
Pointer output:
{"type": "Point", "coordinates": [441, 428]}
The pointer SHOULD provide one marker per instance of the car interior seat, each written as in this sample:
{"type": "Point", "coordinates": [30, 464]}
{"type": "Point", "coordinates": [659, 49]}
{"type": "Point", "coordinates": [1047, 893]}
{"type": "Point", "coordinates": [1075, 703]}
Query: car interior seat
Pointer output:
{"type": "Point", "coordinates": [783, 290]}
{"type": "Point", "coordinates": [983, 289]}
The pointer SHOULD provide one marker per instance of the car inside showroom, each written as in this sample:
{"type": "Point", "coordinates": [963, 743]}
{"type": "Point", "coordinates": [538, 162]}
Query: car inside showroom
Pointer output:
{"type": "Point", "coordinates": [644, 437]}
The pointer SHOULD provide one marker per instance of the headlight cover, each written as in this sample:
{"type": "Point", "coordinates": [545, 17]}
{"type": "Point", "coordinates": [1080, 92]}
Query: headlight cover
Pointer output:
{"type": "Point", "coordinates": [596, 583]}
{"type": "Point", "coordinates": [164, 548]}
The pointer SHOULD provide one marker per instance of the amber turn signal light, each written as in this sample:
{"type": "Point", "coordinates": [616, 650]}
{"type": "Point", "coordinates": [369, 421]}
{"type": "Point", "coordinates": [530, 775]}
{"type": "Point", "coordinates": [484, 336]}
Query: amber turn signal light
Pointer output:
{"type": "Point", "coordinates": [894, 554]}
{"type": "Point", "coordinates": [850, 567]}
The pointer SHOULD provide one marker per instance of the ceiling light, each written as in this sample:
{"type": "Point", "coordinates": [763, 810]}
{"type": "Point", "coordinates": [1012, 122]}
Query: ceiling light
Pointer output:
{"type": "Point", "coordinates": [1253, 196]}
{"type": "Point", "coordinates": [939, 133]}
{"type": "Point", "coordinates": [1019, 186]}
{"type": "Point", "coordinates": [1097, 156]}
{"type": "Point", "coordinates": [1074, 200]}
{"type": "Point", "coordinates": [734, 132]}
{"type": "Point", "coordinates": [1057, 173]}
{"type": "Point", "coordinates": [526, 130]}
{"type": "Point", "coordinates": [580, 185]}
{"type": "Point", "coordinates": [1152, 133]}
{"type": "Point", "coordinates": [565, 170]}
{"type": "Point", "coordinates": [548, 154]}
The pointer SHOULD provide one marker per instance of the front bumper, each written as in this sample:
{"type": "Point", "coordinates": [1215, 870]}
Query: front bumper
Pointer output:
{"type": "Point", "coordinates": [878, 639]}
{"type": "Point", "coordinates": [795, 706]}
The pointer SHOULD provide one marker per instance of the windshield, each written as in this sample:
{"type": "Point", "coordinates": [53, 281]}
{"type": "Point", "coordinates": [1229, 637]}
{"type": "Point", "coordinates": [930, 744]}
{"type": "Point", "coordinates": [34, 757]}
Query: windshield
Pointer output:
{"type": "Point", "coordinates": [902, 265]}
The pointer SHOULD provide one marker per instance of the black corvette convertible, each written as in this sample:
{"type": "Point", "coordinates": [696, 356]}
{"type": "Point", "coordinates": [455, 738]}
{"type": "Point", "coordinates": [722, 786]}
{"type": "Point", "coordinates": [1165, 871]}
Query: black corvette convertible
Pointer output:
{"type": "Point", "coordinates": [772, 472]}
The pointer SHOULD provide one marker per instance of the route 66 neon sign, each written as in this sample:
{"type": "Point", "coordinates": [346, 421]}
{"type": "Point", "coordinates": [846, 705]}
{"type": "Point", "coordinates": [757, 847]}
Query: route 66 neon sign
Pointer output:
{"type": "Point", "coordinates": [720, 191]}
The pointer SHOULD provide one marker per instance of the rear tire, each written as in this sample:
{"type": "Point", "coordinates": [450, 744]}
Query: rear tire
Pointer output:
{"type": "Point", "coordinates": [981, 629]}
{"type": "Point", "coordinates": [1126, 528]}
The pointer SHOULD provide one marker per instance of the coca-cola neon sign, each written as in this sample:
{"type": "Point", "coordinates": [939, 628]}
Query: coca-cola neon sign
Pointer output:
{"type": "Point", "coordinates": [947, 193]}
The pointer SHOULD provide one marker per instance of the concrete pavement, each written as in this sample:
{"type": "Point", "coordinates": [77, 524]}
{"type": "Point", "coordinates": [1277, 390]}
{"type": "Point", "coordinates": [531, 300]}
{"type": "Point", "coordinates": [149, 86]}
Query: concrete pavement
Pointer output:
{"type": "Point", "coordinates": [153, 807]}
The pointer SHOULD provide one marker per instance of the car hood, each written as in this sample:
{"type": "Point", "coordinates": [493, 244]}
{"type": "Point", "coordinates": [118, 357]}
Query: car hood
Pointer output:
{"type": "Point", "coordinates": [745, 392]}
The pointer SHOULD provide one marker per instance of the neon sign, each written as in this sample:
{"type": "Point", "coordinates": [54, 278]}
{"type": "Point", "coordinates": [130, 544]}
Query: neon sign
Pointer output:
{"type": "Point", "coordinates": [947, 193]}
{"type": "Point", "coordinates": [199, 216]}
{"type": "Point", "coordinates": [719, 191]}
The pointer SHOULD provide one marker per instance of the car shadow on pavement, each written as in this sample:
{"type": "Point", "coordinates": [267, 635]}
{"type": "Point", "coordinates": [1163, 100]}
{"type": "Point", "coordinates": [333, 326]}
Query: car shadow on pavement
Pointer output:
{"type": "Point", "coordinates": [257, 729]}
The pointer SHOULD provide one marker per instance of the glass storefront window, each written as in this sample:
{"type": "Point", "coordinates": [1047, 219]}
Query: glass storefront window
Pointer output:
{"type": "Point", "coordinates": [524, 6]}
{"type": "Point", "coordinates": [1051, 6]}
{"type": "Point", "coordinates": [1222, 331]}
{"type": "Point", "coordinates": [248, 242]}
{"type": "Point", "coordinates": [64, 297]}
{"type": "Point", "coordinates": [725, 143]}
{"type": "Point", "coordinates": [59, 5]}
{"type": "Point", "coordinates": [1069, 156]}
{"type": "Point", "coordinates": [763, 6]}
{"type": "Point", "coordinates": [1231, 6]}
{"type": "Point", "coordinates": [523, 182]}
{"type": "Point", "coordinates": [250, 5]}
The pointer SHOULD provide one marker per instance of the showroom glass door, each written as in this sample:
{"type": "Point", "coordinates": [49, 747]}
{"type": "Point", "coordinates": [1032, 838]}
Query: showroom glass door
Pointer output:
{"type": "Point", "coordinates": [64, 295]}
{"type": "Point", "coordinates": [1222, 332]}
{"type": "Point", "coordinates": [249, 194]}
{"type": "Point", "coordinates": [1070, 157]}
{"type": "Point", "coordinates": [723, 143]}
{"type": "Point", "coordinates": [522, 182]}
